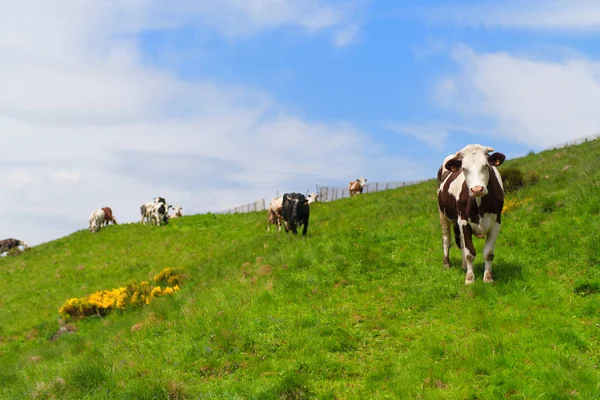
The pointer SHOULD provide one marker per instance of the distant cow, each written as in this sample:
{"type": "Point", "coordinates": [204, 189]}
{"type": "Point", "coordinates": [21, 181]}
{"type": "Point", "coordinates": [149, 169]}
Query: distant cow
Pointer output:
{"type": "Point", "coordinates": [178, 213]}
{"type": "Point", "coordinates": [470, 199]}
{"type": "Point", "coordinates": [96, 220]}
{"type": "Point", "coordinates": [108, 216]}
{"type": "Point", "coordinates": [357, 186]}
{"type": "Point", "coordinates": [295, 212]}
{"type": "Point", "coordinates": [312, 198]}
{"type": "Point", "coordinates": [155, 212]}
{"type": "Point", "coordinates": [146, 211]}
{"type": "Point", "coordinates": [9, 244]}
{"type": "Point", "coordinates": [275, 213]}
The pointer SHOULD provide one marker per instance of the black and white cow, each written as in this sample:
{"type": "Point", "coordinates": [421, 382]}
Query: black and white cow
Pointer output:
{"type": "Point", "coordinates": [295, 212]}
{"type": "Point", "coordinates": [155, 212]}
{"type": "Point", "coordinates": [470, 199]}
{"type": "Point", "coordinates": [9, 244]}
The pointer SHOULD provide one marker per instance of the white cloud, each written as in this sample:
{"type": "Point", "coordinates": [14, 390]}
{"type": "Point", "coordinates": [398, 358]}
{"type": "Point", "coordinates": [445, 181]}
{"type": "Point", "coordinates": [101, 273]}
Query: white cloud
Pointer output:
{"type": "Point", "coordinates": [434, 135]}
{"type": "Point", "coordinates": [346, 36]}
{"type": "Point", "coordinates": [86, 124]}
{"type": "Point", "coordinates": [533, 102]}
{"type": "Point", "coordinates": [546, 14]}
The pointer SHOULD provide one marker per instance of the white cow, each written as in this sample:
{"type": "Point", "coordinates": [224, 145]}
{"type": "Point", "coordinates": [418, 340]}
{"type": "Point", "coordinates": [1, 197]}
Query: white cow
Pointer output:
{"type": "Point", "coordinates": [275, 213]}
{"type": "Point", "coordinates": [96, 220]}
{"type": "Point", "coordinates": [312, 198]}
{"type": "Point", "coordinates": [178, 213]}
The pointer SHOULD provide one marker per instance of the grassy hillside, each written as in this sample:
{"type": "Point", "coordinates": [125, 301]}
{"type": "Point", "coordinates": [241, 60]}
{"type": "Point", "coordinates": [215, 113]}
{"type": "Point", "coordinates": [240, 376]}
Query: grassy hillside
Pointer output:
{"type": "Point", "coordinates": [360, 308]}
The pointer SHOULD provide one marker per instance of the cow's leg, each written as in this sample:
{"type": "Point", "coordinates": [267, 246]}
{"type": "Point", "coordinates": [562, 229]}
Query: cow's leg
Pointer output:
{"type": "Point", "coordinates": [488, 252]}
{"type": "Point", "coordinates": [446, 239]}
{"type": "Point", "coordinates": [469, 252]}
{"type": "Point", "coordinates": [305, 229]}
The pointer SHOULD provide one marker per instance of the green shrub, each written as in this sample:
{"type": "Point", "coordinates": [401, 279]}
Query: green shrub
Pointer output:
{"type": "Point", "coordinates": [512, 178]}
{"type": "Point", "coordinates": [531, 178]}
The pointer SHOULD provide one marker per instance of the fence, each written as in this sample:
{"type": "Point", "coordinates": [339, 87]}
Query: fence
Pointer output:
{"type": "Point", "coordinates": [576, 141]}
{"type": "Point", "coordinates": [326, 194]}
{"type": "Point", "coordinates": [258, 205]}
{"type": "Point", "coordinates": [332, 193]}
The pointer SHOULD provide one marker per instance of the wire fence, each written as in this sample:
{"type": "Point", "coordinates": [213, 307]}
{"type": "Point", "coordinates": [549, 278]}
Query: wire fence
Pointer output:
{"type": "Point", "coordinates": [575, 142]}
{"type": "Point", "coordinates": [333, 193]}
{"type": "Point", "coordinates": [258, 205]}
{"type": "Point", "coordinates": [326, 194]}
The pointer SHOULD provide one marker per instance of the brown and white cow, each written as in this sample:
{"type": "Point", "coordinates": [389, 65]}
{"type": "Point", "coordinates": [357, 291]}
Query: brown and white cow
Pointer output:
{"type": "Point", "coordinates": [470, 198]}
{"type": "Point", "coordinates": [275, 213]}
{"type": "Point", "coordinates": [357, 186]}
{"type": "Point", "coordinates": [108, 216]}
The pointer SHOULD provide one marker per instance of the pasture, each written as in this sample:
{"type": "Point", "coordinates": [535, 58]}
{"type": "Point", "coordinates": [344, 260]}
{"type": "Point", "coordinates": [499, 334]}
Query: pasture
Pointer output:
{"type": "Point", "coordinates": [359, 308]}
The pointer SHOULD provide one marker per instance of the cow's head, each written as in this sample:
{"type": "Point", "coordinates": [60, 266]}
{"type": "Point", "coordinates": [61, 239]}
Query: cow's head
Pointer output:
{"type": "Point", "coordinates": [361, 181]}
{"type": "Point", "coordinates": [476, 162]}
{"type": "Point", "coordinates": [23, 243]}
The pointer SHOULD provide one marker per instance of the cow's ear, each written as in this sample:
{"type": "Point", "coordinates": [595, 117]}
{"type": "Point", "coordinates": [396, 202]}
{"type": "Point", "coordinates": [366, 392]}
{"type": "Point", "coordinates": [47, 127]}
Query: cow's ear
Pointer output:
{"type": "Point", "coordinates": [496, 159]}
{"type": "Point", "coordinates": [453, 164]}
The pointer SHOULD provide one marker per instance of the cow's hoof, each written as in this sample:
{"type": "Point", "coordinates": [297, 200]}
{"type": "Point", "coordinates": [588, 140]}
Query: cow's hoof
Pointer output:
{"type": "Point", "coordinates": [488, 277]}
{"type": "Point", "coordinates": [446, 264]}
{"type": "Point", "coordinates": [470, 279]}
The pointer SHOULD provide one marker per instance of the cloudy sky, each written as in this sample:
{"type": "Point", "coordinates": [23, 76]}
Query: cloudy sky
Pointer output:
{"type": "Point", "coordinates": [215, 104]}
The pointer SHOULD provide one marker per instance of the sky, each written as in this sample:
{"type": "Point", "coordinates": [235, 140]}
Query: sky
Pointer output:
{"type": "Point", "coordinates": [216, 104]}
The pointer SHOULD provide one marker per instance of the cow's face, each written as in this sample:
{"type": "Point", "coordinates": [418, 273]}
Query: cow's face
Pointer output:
{"type": "Point", "coordinates": [475, 161]}
{"type": "Point", "coordinates": [361, 181]}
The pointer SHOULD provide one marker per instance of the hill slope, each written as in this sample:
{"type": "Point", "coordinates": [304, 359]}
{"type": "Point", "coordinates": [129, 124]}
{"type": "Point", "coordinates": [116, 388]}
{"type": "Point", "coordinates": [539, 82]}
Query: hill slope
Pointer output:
{"type": "Point", "coordinates": [361, 308]}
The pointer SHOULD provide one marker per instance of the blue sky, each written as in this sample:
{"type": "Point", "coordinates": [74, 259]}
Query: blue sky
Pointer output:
{"type": "Point", "coordinates": [217, 104]}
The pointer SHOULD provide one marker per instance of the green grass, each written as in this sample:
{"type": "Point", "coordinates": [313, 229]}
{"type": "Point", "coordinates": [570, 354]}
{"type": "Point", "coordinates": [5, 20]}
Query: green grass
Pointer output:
{"type": "Point", "coordinates": [360, 308]}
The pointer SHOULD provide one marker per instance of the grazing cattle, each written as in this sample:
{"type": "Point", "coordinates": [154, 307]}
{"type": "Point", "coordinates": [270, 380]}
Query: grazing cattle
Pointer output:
{"type": "Point", "coordinates": [146, 211]}
{"type": "Point", "coordinates": [470, 199]}
{"type": "Point", "coordinates": [96, 220]}
{"type": "Point", "coordinates": [108, 216]}
{"type": "Point", "coordinates": [357, 186]}
{"type": "Point", "coordinates": [295, 212]}
{"type": "Point", "coordinates": [275, 213]}
{"type": "Point", "coordinates": [9, 244]}
{"type": "Point", "coordinates": [155, 212]}
{"type": "Point", "coordinates": [178, 212]}
{"type": "Point", "coordinates": [312, 198]}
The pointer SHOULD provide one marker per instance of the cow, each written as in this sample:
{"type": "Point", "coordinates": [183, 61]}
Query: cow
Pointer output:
{"type": "Point", "coordinates": [108, 216]}
{"type": "Point", "coordinates": [155, 212]}
{"type": "Point", "coordinates": [9, 244]}
{"type": "Point", "coordinates": [470, 199]}
{"type": "Point", "coordinates": [312, 198]}
{"type": "Point", "coordinates": [178, 212]}
{"type": "Point", "coordinates": [295, 212]}
{"type": "Point", "coordinates": [275, 213]}
{"type": "Point", "coordinates": [357, 186]}
{"type": "Point", "coordinates": [96, 220]}
{"type": "Point", "coordinates": [146, 211]}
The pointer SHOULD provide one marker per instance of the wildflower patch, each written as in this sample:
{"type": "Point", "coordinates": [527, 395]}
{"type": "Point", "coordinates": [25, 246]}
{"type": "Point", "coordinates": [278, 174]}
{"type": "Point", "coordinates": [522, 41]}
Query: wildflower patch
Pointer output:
{"type": "Point", "coordinates": [136, 294]}
{"type": "Point", "coordinates": [510, 205]}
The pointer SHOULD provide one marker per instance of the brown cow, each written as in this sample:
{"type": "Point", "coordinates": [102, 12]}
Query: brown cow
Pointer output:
{"type": "Point", "coordinates": [357, 186]}
{"type": "Point", "coordinates": [470, 199]}
{"type": "Point", "coordinates": [108, 216]}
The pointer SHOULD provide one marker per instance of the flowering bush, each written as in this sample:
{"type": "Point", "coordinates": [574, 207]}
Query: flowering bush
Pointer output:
{"type": "Point", "coordinates": [103, 302]}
